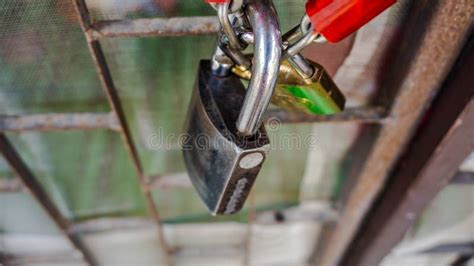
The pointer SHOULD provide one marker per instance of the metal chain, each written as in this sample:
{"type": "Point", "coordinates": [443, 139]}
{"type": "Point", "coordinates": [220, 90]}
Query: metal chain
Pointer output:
{"type": "Point", "coordinates": [234, 37]}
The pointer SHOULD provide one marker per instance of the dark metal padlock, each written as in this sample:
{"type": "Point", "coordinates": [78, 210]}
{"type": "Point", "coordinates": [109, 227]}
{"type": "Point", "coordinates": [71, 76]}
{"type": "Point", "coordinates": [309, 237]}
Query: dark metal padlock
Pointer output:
{"type": "Point", "coordinates": [226, 142]}
{"type": "Point", "coordinates": [222, 163]}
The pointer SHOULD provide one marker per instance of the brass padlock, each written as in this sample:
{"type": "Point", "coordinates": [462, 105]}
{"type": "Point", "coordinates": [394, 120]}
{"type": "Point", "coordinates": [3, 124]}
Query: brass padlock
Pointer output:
{"type": "Point", "coordinates": [316, 94]}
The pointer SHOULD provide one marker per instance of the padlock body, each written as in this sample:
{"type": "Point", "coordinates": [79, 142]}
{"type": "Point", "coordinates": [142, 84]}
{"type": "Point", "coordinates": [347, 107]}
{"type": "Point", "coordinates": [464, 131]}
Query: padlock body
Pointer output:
{"type": "Point", "coordinates": [317, 95]}
{"type": "Point", "coordinates": [222, 164]}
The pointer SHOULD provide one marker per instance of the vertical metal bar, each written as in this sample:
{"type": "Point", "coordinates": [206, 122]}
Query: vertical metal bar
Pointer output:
{"type": "Point", "coordinates": [31, 182]}
{"type": "Point", "coordinates": [116, 106]}
{"type": "Point", "coordinates": [400, 207]}
{"type": "Point", "coordinates": [431, 39]}
{"type": "Point", "coordinates": [432, 159]}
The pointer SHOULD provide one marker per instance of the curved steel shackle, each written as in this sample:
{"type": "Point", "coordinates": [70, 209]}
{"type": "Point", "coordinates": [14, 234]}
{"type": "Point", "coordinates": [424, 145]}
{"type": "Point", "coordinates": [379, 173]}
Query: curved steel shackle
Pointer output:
{"type": "Point", "coordinates": [265, 67]}
{"type": "Point", "coordinates": [223, 15]}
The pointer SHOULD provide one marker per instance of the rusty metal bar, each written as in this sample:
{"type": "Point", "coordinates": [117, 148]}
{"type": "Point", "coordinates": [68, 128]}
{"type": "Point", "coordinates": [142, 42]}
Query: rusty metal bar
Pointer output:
{"type": "Point", "coordinates": [98, 225]}
{"type": "Point", "coordinates": [177, 26]}
{"type": "Point", "coordinates": [57, 122]}
{"type": "Point", "coordinates": [463, 178]}
{"type": "Point", "coordinates": [398, 209]}
{"type": "Point", "coordinates": [116, 106]}
{"type": "Point", "coordinates": [92, 121]}
{"type": "Point", "coordinates": [432, 37]}
{"type": "Point", "coordinates": [33, 185]}
{"type": "Point", "coordinates": [120, 223]}
{"type": "Point", "coordinates": [48, 259]}
{"type": "Point", "coordinates": [10, 185]}
{"type": "Point", "coordinates": [156, 182]}
{"type": "Point", "coordinates": [169, 181]}
{"type": "Point", "coordinates": [427, 166]}
{"type": "Point", "coordinates": [357, 114]}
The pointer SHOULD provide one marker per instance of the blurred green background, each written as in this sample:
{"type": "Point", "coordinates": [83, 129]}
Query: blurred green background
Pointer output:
{"type": "Point", "coordinates": [46, 68]}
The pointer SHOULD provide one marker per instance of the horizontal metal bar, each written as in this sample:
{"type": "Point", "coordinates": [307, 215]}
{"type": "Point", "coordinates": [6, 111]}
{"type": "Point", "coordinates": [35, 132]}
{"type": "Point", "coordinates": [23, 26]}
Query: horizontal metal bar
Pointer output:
{"type": "Point", "coordinates": [46, 259]}
{"type": "Point", "coordinates": [10, 185]}
{"type": "Point", "coordinates": [57, 122]}
{"type": "Point", "coordinates": [357, 114]}
{"type": "Point", "coordinates": [181, 180]}
{"type": "Point", "coordinates": [311, 212]}
{"type": "Point", "coordinates": [306, 211]}
{"type": "Point", "coordinates": [178, 180]}
{"type": "Point", "coordinates": [463, 178]}
{"type": "Point", "coordinates": [155, 182]}
{"type": "Point", "coordinates": [98, 225]}
{"type": "Point", "coordinates": [90, 121]}
{"type": "Point", "coordinates": [177, 26]}
{"type": "Point", "coordinates": [465, 248]}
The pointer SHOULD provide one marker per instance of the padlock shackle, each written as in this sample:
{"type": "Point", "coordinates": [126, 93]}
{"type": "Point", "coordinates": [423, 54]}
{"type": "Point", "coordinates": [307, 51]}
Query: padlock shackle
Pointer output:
{"type": "Point", "coordinates": [223, 15]}
{"type": "Point", "coordinates": [265, 67]}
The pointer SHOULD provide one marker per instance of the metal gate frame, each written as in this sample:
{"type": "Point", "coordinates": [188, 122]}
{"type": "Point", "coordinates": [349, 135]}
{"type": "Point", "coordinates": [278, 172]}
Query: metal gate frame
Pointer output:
{"type": "Point", "coordinates": [435, 33]}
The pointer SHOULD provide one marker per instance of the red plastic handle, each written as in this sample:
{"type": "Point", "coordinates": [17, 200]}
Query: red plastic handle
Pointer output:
{"type": "Point", "coordinates": [336, 19]}
{"type": "Point", "coordinates": [216, 1]}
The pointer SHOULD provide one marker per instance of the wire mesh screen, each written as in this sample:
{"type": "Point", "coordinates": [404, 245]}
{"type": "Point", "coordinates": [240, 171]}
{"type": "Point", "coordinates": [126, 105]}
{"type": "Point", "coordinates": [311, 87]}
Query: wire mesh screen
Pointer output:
{"type": "Point", "coordinates": [85, 173]}
{"type": "Point", "coordinates": [47, 68]}
{"type": "Point", "coordinates": [45, 64]}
